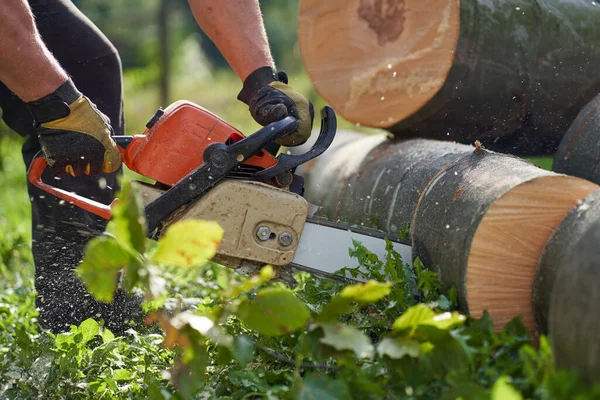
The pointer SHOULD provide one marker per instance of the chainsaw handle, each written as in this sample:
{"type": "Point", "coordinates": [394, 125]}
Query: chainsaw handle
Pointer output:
{"type": "Point", "coordinates": [287, 162]}
{"type": "Point", "coordinates": [34, 174]}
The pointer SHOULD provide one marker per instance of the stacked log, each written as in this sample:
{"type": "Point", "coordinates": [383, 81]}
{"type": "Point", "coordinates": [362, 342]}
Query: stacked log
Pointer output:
{"type": "Point", "coordinates": [510, 73]}
{"type": "Point", "coordinates": [558, 254]}
{"type": "Point", "coordinates": [481, 219]}
{"type": "Point", "coordinates": [579, 150]}
{"type": "Point", "coordinates": [574, 315]}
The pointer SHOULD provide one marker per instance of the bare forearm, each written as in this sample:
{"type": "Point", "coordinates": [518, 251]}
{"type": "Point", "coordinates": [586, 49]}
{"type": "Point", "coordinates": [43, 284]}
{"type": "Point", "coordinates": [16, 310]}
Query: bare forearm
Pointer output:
{"type": "Point", "coordinates": [237, 28]}
{"type": "Point", "coordinates": [26, 66]}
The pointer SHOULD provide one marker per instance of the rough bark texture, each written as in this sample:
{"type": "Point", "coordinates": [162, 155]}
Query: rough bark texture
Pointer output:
{"type": "Point", "coordinates": [374, 181]}
{"type": "Point", "coordinates": [557, 252]}
{"type": "Point", "coordinates": [579, 151]}
{"type": "Point", "coordinates": [574, 318]}
{"type": "Point", "coordinates": [521, 71]}
{"type": "Point", "coordinates": [452, 207]}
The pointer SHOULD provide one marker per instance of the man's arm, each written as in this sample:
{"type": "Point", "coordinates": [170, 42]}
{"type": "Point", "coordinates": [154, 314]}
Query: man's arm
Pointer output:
{"type": "Point", "coordinates": [26, 66]}
{"type": "Point", "coordinates": [236, 27]}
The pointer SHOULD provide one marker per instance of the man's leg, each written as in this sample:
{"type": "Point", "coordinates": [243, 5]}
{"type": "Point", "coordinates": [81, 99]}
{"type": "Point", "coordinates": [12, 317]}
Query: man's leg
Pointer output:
{"type": "Point", "coordinates": [60, 230]}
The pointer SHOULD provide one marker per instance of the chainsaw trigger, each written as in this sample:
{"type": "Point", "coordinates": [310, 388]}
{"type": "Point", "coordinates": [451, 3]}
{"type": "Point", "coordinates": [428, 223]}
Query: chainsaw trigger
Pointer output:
{"type": "Point", "coordinates": [287, 162]}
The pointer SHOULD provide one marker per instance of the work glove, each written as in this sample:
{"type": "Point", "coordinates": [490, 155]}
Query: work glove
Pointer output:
{"type": "Point", "coordinates": [74, 135]}
{"type": "Point", "coordinates": [270, 99]}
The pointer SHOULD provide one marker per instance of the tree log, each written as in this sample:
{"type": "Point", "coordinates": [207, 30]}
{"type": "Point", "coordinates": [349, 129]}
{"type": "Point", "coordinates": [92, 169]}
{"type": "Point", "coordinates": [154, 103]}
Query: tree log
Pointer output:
{"type": "Point", "coordinates": [483, 221]}
{"type": "Point", "coordinates": [510, 73]}
{"type": "Point", "coordinates": [579, 151]}
{"type": "Point", "coordinates": [557, 253]}
{"type": "Point", "coordinates": [479, 218]}
{"type": "Point", "coordinates": [574, 317]}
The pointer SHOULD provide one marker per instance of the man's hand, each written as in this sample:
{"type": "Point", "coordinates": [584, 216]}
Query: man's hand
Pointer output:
{"type": "Point", "coordinates": [74, 135]}
{"type": "Point", "coordinates": [270, 99]}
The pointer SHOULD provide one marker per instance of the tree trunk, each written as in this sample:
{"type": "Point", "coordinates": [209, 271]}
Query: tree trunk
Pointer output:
{"type": "Point", "coordinates": [574, 317]}
{"type": "Point", "coordinates": [479, 218]}
{"type": "Point", "coordinates": [510, 73]}
{"type": "Point", "coordinates": [557, 253]}
{"type": "Point", "coordinates": [579, 151]}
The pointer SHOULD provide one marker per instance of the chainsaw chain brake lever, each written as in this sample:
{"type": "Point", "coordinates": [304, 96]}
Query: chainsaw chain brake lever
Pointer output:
{"type": "Point", "coordinates": [287, 162]}
{"type": "Point", "coordinates": [219, 160]}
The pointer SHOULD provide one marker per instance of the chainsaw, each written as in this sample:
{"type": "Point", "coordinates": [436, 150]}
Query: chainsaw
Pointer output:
{"type": "Point", "coordinates": [204, 168]}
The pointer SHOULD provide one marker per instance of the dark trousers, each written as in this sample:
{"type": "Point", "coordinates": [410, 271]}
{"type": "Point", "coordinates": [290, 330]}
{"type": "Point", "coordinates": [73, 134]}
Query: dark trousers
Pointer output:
{"type": "Point", "coordinates": [61, 231]}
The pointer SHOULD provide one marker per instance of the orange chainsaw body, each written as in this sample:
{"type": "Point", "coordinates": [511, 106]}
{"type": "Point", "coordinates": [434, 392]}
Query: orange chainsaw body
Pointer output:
{"type": "Point", "coordinates": [174, 142]}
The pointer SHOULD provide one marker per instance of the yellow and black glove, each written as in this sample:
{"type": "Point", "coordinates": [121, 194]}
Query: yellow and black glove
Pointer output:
{"type": "Point", "coordinates": [74, 135]}
{"type": "Point", "coordinates": [270, 99]}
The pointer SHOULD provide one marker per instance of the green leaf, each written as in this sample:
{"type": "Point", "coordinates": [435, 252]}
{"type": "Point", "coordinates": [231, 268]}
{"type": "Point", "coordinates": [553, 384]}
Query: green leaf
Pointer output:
{"type": "Point", "coordinates": [344, 337]}
{"type": "Point", "coordinates": [188, 243]}
{"type": "Point", "coordinates": [321, 388]}
{"type": "Point", "coordinates": [129, 219]}
{"type": "Point", "coordinates": [122, 375]}
{"type": "Point", "coordinates": [413, 317]}
{"type": "Point", "coordinates": [243, 349]}
{"type": "Point", "coordinates": [88, 329]}
{"type": "Point", "coordinates": [107, 335]}
{"type": "Point", "coordinates": [366, 293]}
{"type": "Point", "coordinates": [103, 259]}
{"type": "Point", "coordinates": [443, 303]}
{"type": "Point", "coordinates": [396, 348]}
{"type": "Point", "coordinates": [274, 311]}
{"type": "Point", "coordinates": [502, 390]}
{"type": "Point", "coordinates": [361, 293]}
{"type": "Point", "coordinates": [421, 315]}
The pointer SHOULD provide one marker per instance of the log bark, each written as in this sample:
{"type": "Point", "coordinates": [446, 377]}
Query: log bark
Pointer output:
{"type": "Point", "coordinates": [574, 317]}
{"type": "Point", "coordinates": [373, 181]}
{"type": "Point", "coordinates": [579, 151]}
{"type": "Point", "coordinates": [479, 218]}
{"type": "Point", "coordinates": [510, 73]}
{"type": "Point", "coordinates": [557, 254]}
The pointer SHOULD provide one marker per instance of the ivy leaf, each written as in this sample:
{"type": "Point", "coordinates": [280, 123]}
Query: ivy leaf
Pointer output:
{"type": "Point", "coordinates": [319, 387]}
{"type": "Point", "coordinates": [396, 348]}
{"type": "Point", "coordinates": [188, 243]}
{"type": "Point", "coordinates": [502, 390]}
{"type": "Point", "coordinates": [344, 337]}
{"type": "Point", "coordinates": [129, 219]}
{"type": "Point", "coordinates": [274, 311]}
{"type": "Point", "coordinates": [362, 293]}
{"type": "Point", "coordinates": [104, 258]}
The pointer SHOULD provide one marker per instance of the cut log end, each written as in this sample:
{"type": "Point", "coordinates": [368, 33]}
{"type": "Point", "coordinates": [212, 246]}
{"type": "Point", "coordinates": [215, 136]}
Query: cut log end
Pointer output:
{"type": "Point", "coordinates": [383, 60]}
{"type": "Point", "coordinates": [508, 242]}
